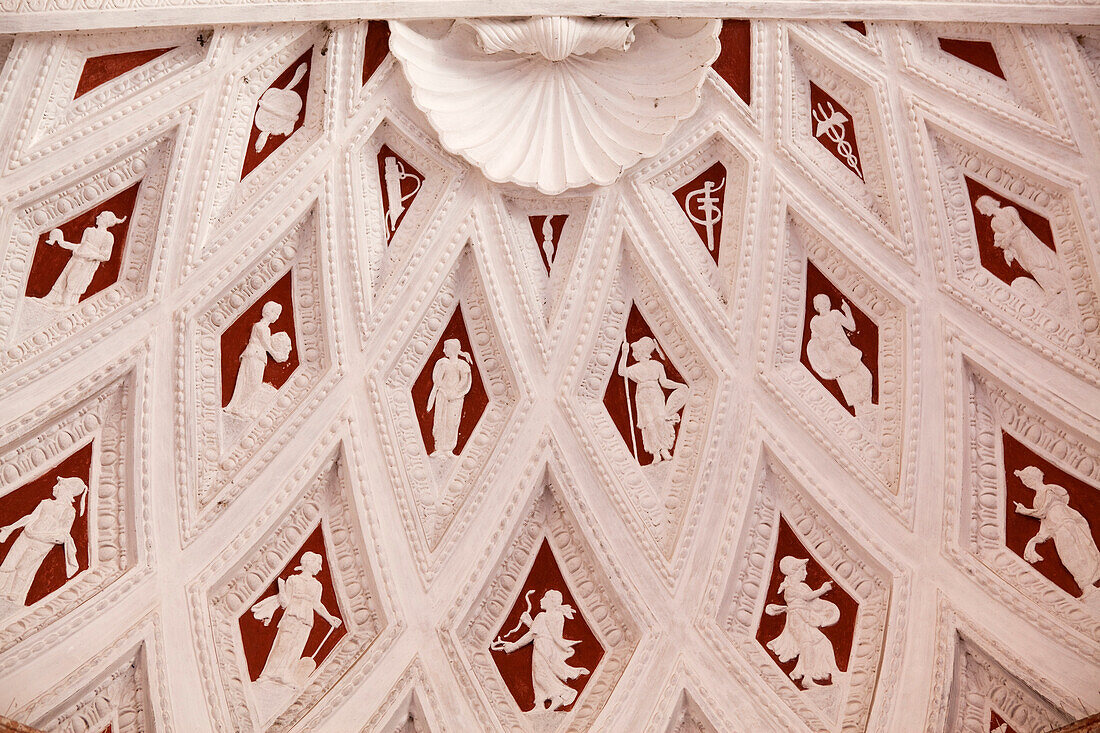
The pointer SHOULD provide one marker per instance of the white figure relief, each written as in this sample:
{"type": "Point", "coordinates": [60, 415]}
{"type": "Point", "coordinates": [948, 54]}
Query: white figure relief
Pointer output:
{"type": "Point", "coordinates": [831, 124]}
{"type": "Point", "coordinates": [452, 378]}
{"type": "Point", "coordinates": [262, 343]}
{"type": "Point", "coordinates": [394, 173]}
{"type": "Point", "coordinates": [701, 207]}
{"type": "Point", "coordinates": [548, 239]}
{"type": "Point", "coordinates": [549, 666]}
{"type": "Point", "coordinates": [49, 524]}
{"type": "Point", "coordinates": [833, 356]}
{"type": "Point", "coordinates": [95, 246]}
{"type": "Point", "coordinates": [1070, 531]}
{"type": "Point", "coordinates": [1047, 284]}
{"type": "Point", "coordinates": [300, 597]}
{"type": "Point", "coordinates": [806, 613]}
{"type": "Point", "coordinates": [656, 418]}
{"type": "Point", "coordinates": [278, 109]}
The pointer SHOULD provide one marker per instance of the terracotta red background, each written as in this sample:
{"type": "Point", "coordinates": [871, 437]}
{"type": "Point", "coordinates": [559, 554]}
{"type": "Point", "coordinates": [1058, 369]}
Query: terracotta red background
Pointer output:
{"type": "Point", "coordinates": [995, 720]}
{"type": "Point", "coordinates": [614, 397]}
{"type": "Point", "coordinates": [49, 260]}
{"type": "Point", "coordinates": [476, 399]}
{"type": "Point", "coordinates": [717, 174]}
{"type": "Point", "coordinates": [840, 634]}
{"type": "Point", "coordinates": [819, 96]}
{"type": "Point", "coordinates": [252, 158]}
{"type": "Point", "coordinates": [1019, 529]}
{"type": "Point", "coordinates": [235, 338]}
{"type": "Point", "coordinates": [515, 668]}
{"type": "Point", "coordinates": [557, 224]}
{"type": "Point", "coordinates": [978, 53]}
{"type": "Point", "coordinates": [992, 256]}
{"type": "Point", "coordinates": [22, 501]}
{"type": "Point", "coordinates": [101, 69]}
{"type": "Point", "coordinates": [376, 47]}
{"type": "Point", "coordinates": [857, 25]}
{"type": "Point", "coordinates": [734, 63]}
{"type": "Point", "coordinates": [407, 186]}
{"type": "Point", "coordinates": [258, 639]}
{"type": "Point", "coordinates": [864, 338]}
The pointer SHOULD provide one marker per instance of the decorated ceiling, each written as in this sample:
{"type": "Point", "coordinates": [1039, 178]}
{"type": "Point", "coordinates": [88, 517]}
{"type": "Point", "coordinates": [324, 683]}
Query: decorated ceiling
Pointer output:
{"type": "Point", "coordinates": [550, 374]}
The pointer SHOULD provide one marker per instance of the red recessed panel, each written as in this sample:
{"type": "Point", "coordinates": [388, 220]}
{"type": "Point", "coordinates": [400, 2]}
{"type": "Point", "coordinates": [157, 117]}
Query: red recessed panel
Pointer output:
{"type": "Point", "coordinates": [977, 53]}
{"type": "Point", "coordinates": [17, 504]}
{"type": "Point", "coordinates": [50, 259]}
{"type": "Point", "coordinates": [864, 337]}
{"type": "Point", "coordinates": [376, 47]}
{"type": "Point", "coordinates": [995, 723]}
{"type": "Point", "coordinates": [834, 128]}
{"type": "Point", "coordinates": [857, 25]}
{"type": "Point", "coordinates": [515, 667]}
{"type": "Point", "coordinates": [548, 253]}
{"type": "Point", "coordinates": [992, 256]}
{"type": "Point", "coordinates": [235, 338]}
{"type": "Point", "coordinates": [473, 405]}
{"type": "Point", "coordinates": [703, 202]}
{"type": "Point", "coordinates": [1019, 529]}
{"type": "Point", "coordinates": [734, 63]}
{"type": "Point", "coordinates": [101, 69]}
{"type": "Point", "coordinates": [400, 185]}
{"type": "Point", "coordinates": [615, 396]}
{"type": "Point", "coordinates": [840, 634]}
{"type": "Point", "coordinates": [277, 103]}
{"type": "Point", "coordinates": [259, 638]}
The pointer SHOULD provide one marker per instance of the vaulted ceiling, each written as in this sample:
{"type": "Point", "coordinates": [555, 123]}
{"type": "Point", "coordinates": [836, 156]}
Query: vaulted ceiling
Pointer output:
{"type": "Point", "coordinates": [769, 347]}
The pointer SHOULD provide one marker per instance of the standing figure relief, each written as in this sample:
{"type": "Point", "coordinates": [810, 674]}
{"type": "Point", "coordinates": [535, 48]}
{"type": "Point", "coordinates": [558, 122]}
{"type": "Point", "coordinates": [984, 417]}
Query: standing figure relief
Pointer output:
{"type": "Point", "coordinates": [549, 666]}
{"type": "Point", "coordinates": [656, 418]}
{"type": "Point", "coordinates": [48, 525]}
{"type": "Point", "coordinates": [833, 356]}
{"type": "Point", "coordinates": [95, 246]}
{"type": "Point", "coordinates": [1059, 521]}
{"type": "Point", "coordinates": [250, 375]}
{"type": "Point", "coordinates": [1011, 235]}
{"type": "Point", "coordinates": [452, 379]}
{"type": "Point", "coordinates": [802, 637]}
{"type": "Point", "coordinates": [300, 597]}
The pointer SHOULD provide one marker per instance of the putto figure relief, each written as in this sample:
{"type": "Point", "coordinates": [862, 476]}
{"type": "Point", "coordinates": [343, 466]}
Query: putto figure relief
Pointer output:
{"type": "Point", "coordinates": [300, 597]}
{"type": "Point", "coordinates": [1070, 531]}
{"type": "Point", "coordinates": [656, 417]}
{"type": "Point", "coordinates": [833, 356]}
{"type": "Point", "coordinates": [1047, 284]}
{"type": "Point", "coordinates": [95, 247]}
{"type": "Point", "coordinates": [262, 343]}
{"type": "Point", "coordinates": [48, 525]}
{"type": "Point", "coordinates": [802, 637]}
{"type": "Point", "coordinates": [451, 382]}
{"type": "Point", "coordinates": [550, 669]}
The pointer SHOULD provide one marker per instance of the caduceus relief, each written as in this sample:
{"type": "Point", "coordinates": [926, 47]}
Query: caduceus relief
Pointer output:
{"type": "Point", "coordinates": [546, 633]}
{"type": "Point", "coordinates": [701, 207]}
{"type": "Point", "coordinates": [831, 124]}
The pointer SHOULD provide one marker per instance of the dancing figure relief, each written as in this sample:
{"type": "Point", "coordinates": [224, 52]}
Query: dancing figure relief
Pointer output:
{"type": "Point", "coordinates": [550, 669]}
{"type": "Point", "coordinates": [452, 378]}
{"type": "Point", "coordinates": [1047, 284]}
{"type": "Point", "coordinates": [1068, 528]}
{"type": "Point", "coordinates": [300, 597]}
{"type": "Point", "coordinates": [49, 524]}
{"type": "Point", "coordinates": [656, 417]}
{"type": "Point", "coordinates": [833, 356]}
{"type": "Point", "coordinates": [248, 390]}
{"type": "Point", "coordinates": [807, 613]}
{"type": "Point", "coordinates": [94, 248]}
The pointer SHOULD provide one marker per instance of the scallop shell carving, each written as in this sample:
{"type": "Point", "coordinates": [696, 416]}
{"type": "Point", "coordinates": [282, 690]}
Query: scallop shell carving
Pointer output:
{"type": "Point", "coordinates": [557, 103]}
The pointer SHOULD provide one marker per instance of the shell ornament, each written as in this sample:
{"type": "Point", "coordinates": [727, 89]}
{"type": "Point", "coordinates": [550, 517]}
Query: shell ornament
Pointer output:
{"type": "Point", "coordinates": [556, 103]}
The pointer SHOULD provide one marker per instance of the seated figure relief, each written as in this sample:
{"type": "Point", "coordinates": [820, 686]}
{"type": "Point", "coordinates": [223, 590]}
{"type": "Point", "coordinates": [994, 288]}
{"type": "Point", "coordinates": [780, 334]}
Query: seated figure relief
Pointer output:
{"type": "Point", "coordinates": [1047, 284]}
